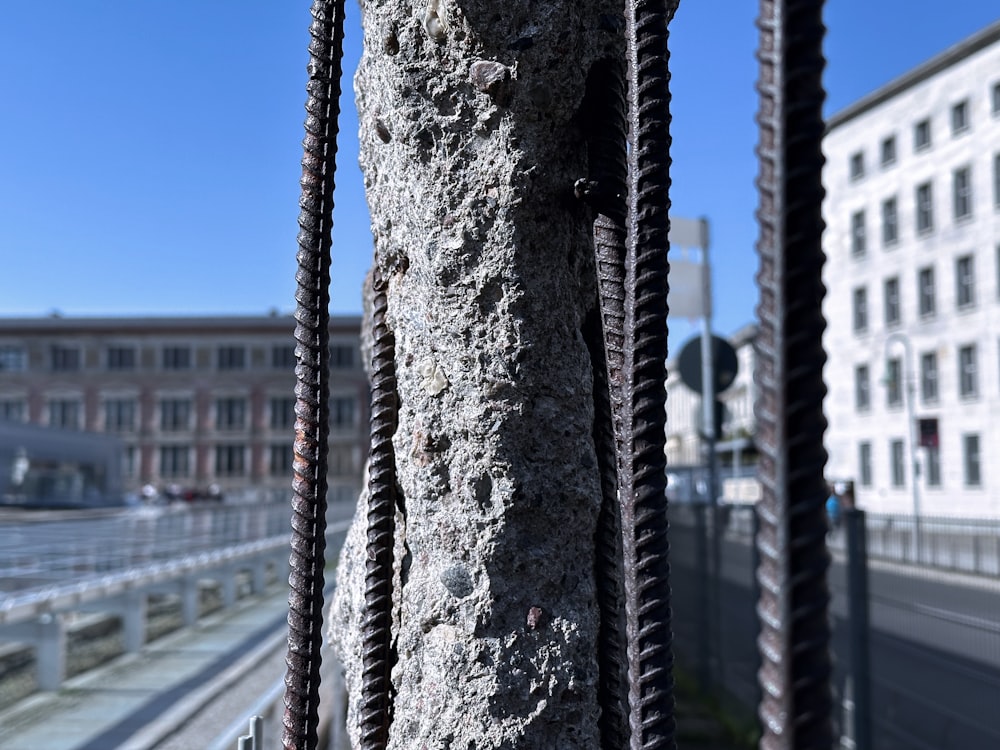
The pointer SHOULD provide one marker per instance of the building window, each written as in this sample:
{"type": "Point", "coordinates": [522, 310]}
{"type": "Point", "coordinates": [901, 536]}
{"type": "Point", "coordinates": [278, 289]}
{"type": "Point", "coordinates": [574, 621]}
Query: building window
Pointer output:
{"type": "Point", "coordinates": [858, 240]}
{"type": "Point", "coordinates": [996, 180]}
{"type": "Point", "coordinates": [928, 377]}
{"type": "Point", "coordinates": [342, 462]}
{"type": "Point", "coordinates": [342, 356]}
{"type": "Point", "coordinates": [13, 410]}
{"type": "Point", "coordinates": [280, 463]}
{"type": "Point", "coordinates": [894, 382]}
{"type": "Point", "coordinates": [860, 310]}
{"type": "Point", "coordinates": [283, 357]}
{"type": "Point", "coordinates": [996, 99]}
{"type": "Point", "coordinates": [282, 413]}
{"type": "Point", "coordinates": [862, 388]}
{"type": "Point", "coordinates": [888, 151]}
{"type": "Point", "coordinates": [970, 455]}
{"type": "Point", "coordinates": [891, 298]}
{"type": "Point", "coordinates": [175, 414]}
{"type": "Point", "coordinates": [13, 359]}
{"type": "Point", "coordinates": [922, 135]}
{"type": "Point", "coordinates": [229, 460]}
{"type": "Point", "coordinates": [926, 304]}
{"type": "Point", "coordinates": [119, 415]}
{"type": "Point", "coordinates": [129, 462]}
{"type": "Point", "coordinates": [933, 464]}
{"type": "Point", "coordinates": [176, 358]}
{"type": "Point", "coordinates": [960, 117]}
{"type": "Point", "coordinates": [857, 166]}
{"type": "Point", "coordinates": [890, 222]}
{"type": "Point", "coordinates": [230, 413]}
{"type": "Point", "coordinates": [121, 358]}
{"type": "Point", "coordinates": [175, 461]}
{"type": "Point", "coordinates": [342, 412]}
{"type": "Point", "coordinates": [64, 413]}
{"type": "Point", "coordinates": [965, 281]}
{"type": "Point", "coordinates": [232, 357]}
{"type": "Point", "coordinates": [968, 381]}
{"type": "Point", "coordinates": [998, 270]}
{"type": "Point", "coordinates": [925, 209]}
{"type": "Point", "coordinates": [65, 358]}
{"type": "Point", "coordinates": [865, 464]}
{"type": "Point", "coordinates": [898, 468]}
{"type": "Point", "coordinates": [961, 193]}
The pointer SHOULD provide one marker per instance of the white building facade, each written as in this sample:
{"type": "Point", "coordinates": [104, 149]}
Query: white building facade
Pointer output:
{"type": "Point", "coordinates": [913, 287]}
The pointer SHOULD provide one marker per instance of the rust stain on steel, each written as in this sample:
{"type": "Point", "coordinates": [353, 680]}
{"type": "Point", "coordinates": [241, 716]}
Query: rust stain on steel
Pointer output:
{"type": "Point", "coordinates": [308, 542]}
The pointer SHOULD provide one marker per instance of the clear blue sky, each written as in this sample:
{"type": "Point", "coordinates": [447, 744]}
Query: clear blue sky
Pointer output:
{"type": "Point", "coordinates": [149, 152]}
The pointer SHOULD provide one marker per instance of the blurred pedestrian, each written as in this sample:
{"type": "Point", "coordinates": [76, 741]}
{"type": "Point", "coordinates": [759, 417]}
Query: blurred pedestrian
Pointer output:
{"type": "Point", "coordinates": [833, 510]}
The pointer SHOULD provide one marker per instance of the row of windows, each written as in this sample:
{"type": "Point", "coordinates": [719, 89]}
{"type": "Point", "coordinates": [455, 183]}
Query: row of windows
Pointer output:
{"type": "Point", "coordinates": [960, 120]}
{"type": "Point", "coordinates": [971, 463]}
{"type": "Point", "coordinates": [928, 376]}
{"type": "Point", "coordinates": [961, 208]}
{"type": "Point", "coordinates": [965, 294]}
{"type": "Point", "coordinates": [177, 414]}
{"type": "Point", "coordinates": [124, 358]}
{"type": "Point", "coordinates": [176, 461]}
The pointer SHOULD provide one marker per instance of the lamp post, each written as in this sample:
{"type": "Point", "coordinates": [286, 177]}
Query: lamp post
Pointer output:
{"type": "Point", "coordinates": [909, 401]}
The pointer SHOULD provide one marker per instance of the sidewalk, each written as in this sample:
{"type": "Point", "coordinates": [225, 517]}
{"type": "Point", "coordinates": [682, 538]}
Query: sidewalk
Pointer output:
{"type": "Point", "coordinates": [182, 690]}
{"type": "Point", "coordinates": [139, 700]}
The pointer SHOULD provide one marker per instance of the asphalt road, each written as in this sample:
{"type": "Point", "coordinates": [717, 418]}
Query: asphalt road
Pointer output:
{"type": "Point", "coordinates": [934, 645]}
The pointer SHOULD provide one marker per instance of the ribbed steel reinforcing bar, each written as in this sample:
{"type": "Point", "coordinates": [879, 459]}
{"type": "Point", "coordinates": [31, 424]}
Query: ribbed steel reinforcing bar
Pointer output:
{"type": "Point", "coordinates": [376, 622]}
{"type": "Point", "coordinates": [604, 190]}
{"type": "Point", "coordinates": [794, 641]}
{"type": "Point", "coordinates": [645, 545]}
{"type": "Point", "coordinates": [312, 333]}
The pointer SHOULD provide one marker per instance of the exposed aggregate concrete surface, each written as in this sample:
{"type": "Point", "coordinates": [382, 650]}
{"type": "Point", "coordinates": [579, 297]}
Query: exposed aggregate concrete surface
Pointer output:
{"type": "Point", "coordinates": [471, 142]}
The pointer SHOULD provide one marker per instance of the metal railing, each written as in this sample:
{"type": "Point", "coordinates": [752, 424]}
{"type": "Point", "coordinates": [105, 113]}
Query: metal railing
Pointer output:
{"type": "Point", "coordinates": [53, 566]}
{"type": "Point", "coordinates": [916, 647]}
{"type": "Point", "coordinates": [37, 555]}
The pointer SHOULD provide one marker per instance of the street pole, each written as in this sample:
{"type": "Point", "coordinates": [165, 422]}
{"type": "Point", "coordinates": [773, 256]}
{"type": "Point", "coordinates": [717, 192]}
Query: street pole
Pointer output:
{"type": "Point", "coordinates": [707, 367]}
{"type": "Point", "coordinates": [708, 430]}
{"type": "Point", "coordinates": [909, 376]}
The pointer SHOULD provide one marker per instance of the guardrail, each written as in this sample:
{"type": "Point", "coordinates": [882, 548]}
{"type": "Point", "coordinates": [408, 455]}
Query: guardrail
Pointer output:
{"type": "Point", "coordinates": [961, 545]}
{"type": "Point", "coordinates": [63, 564]}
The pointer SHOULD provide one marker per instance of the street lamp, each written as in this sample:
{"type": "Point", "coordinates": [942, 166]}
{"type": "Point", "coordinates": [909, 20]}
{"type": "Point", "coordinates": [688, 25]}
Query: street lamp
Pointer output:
{"type": "Point", "coordinates": [909, 377]}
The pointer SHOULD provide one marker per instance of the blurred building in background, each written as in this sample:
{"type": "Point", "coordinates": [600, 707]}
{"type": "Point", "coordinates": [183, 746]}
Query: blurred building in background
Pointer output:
{"type": "Point", "coordinates": [913, 286]}
{"type": "Point", "coordinates": [202, 405]}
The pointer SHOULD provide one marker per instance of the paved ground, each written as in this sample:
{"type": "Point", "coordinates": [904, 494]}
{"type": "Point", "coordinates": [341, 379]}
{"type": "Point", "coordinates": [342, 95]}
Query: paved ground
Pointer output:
{"type": "Point", "coordinates": [183, 691]}
{"type": "Point", "coordinates": [213, 672]}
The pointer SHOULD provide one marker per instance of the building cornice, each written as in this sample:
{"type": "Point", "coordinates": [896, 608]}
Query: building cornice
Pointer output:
{"type": "Point", "coordinates": [222, 324]}
{"type": "Point", "coordinates": [954, 54]}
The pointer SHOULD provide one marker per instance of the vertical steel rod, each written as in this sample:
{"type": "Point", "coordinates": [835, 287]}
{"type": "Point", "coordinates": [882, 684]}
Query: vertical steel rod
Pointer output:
{"type": "Point", "coordinates": [376, 622]}
{"type": "Point", "coordinates": [795, 634]}
{"type": "Point", "coordinates": [604, 189]}
{"type": "Point", "coordinates": [645, 545]}
{"type": "Point", "coordinates": [312, 334]}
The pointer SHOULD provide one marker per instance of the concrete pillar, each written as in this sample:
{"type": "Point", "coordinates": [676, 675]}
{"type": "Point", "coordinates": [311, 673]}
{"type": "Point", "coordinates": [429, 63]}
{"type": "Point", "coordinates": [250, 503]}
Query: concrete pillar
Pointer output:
{"type": "Point", "coordinates": [134, 606]}
{"type": "Point", "coordinates": [189, 600]}
{"type": "Point", "coordinates": [228, 584]}
{"type": "Point", "coordinates": [50, 651]}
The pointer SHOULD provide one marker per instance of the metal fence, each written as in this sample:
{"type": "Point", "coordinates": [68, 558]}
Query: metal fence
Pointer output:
{"type": "Point", "coordinates": [51, 549]}
{"type": "Point", "coordinates": [924, 674]}
{"type": "Point", "coordinates": [52, 566]}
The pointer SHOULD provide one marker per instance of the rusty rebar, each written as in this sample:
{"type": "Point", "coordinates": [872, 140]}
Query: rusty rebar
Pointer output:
{"type": "Point", "coordinates": [376, 623]}
{"type": "Point", "coordinates": [795, 634]}
{"type": "Point", "coordinates": [604, 190]}
{"type": "Point", "coordinates": [645, 543]}
{"type": "Point", "coordinates": [312, 334]}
